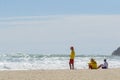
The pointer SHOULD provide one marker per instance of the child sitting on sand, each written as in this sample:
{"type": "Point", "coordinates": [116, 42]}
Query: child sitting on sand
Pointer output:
{"type": "Point", "coordinates": [92, 64]}
{"type": "Point", "coordinates": [105, 65]}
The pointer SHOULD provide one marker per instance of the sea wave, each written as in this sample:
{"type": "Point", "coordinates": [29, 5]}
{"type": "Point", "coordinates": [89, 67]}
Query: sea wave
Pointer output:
{"type": "Point", "coordinates": [20, 61]}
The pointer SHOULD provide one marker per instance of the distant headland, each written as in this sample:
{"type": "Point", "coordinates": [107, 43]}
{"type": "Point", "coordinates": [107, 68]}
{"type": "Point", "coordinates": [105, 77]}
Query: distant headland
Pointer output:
{"type": "Point", "coordinates": [116, 52]}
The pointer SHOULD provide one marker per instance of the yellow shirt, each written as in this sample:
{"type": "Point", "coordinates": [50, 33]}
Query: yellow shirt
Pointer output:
{"type": "Point", "coordinates": [72, 55]}
{"type": "Point", "coordinates": [93, 64]}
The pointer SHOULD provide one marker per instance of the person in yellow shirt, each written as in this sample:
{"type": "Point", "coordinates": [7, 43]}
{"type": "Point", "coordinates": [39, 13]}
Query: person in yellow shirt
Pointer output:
{"type": "Point", "coordinates": [92, 64]}
{"type": "Point", "coordinates": [72, 56]}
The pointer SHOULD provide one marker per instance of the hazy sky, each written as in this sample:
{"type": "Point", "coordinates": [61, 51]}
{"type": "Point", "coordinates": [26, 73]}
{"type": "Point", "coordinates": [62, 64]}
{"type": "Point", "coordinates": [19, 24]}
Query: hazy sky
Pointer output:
{"type": "Point", "coordinates": [52, 26]}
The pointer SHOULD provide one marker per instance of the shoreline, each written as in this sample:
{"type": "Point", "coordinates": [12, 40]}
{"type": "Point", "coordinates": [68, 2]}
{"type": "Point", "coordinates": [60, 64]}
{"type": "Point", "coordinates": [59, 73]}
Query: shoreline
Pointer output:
{"type": "Point", "coordinates": [61, 74]}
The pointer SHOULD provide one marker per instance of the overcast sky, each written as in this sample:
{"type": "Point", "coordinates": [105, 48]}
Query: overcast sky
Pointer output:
{"type": "Point", "coordinates": [51, 27]}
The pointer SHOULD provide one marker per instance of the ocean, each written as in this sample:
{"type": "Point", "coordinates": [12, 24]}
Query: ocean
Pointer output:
{"type": "Point", "coordinates": [21, 61]}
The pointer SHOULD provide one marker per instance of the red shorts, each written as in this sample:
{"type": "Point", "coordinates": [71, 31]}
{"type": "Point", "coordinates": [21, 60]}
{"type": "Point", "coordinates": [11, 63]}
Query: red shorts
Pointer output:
{"type": "Point", "coordinates": [71, 61]}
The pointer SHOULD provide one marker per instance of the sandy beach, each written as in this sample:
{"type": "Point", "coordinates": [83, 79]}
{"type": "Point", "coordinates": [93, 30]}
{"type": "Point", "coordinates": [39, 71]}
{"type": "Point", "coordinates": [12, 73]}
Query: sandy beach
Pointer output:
{"type": "Point", "coordinates": [81, 74]}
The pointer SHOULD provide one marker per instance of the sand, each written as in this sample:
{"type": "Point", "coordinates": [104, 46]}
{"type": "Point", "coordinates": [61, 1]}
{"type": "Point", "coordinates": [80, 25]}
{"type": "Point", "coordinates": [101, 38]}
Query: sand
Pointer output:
{"type": "Point", "coordinates": [80, 74]}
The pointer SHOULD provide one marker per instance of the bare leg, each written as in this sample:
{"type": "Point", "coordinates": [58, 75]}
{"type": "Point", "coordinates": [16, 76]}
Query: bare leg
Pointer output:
{"type": "Point", "coordinates": [99, 66]}
{"type": "Point", "coordinates": [70, 65]}
{"type": "Point", "coordinates": [90, 67]}
{"type": "Point", "coordinates": [73, 66]}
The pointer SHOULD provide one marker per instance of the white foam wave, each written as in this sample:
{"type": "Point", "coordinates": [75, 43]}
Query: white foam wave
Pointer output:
{"type": "Point", "coordinates": [27, 62]}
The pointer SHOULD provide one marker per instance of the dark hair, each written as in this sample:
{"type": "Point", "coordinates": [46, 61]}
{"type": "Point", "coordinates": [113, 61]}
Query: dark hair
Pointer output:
{"type": "Point", "coordinates": [71, 47]}
{"type": "Point", "coordinates": [104, 59]}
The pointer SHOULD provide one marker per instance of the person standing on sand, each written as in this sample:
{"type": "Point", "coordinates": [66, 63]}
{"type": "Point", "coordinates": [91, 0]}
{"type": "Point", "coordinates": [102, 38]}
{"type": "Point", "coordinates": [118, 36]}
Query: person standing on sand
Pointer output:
{"type": "Point", "coordinates": [72, 56]}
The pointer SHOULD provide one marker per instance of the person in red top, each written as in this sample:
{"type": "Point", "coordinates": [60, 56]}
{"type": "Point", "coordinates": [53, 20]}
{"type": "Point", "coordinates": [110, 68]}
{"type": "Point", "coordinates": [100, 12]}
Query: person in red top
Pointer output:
{"type": "Point", "coordinates": [72, 56]}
